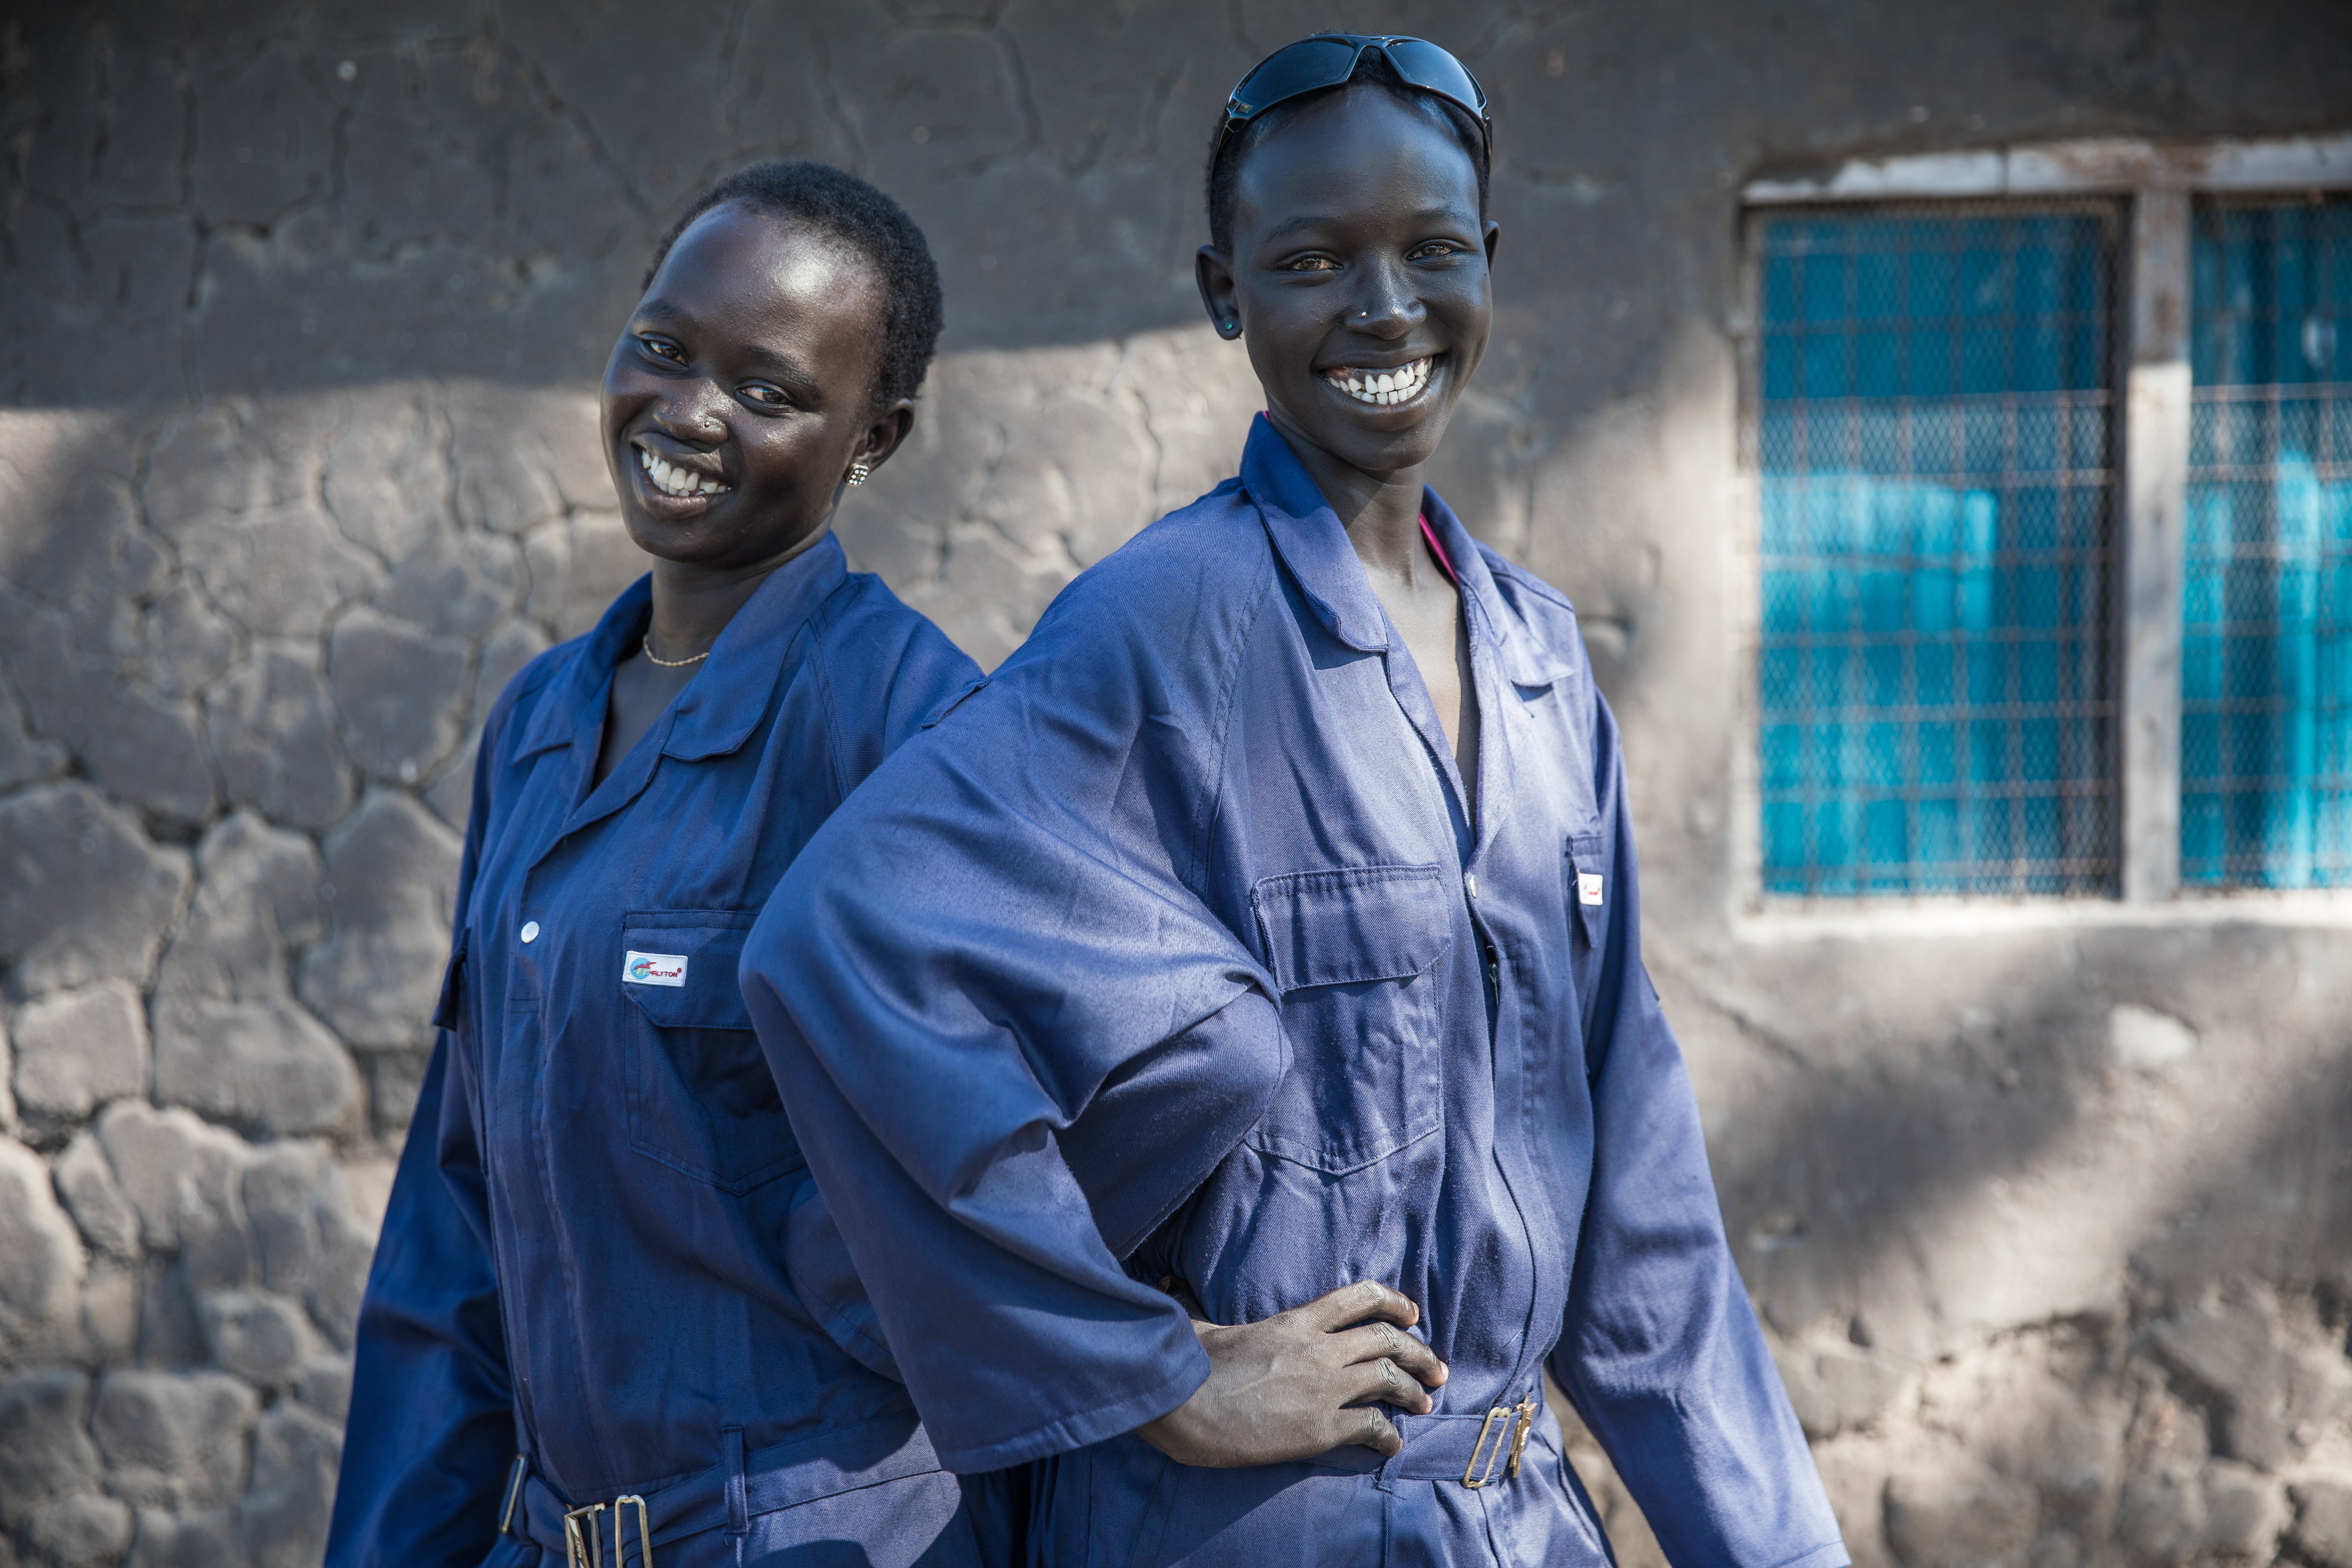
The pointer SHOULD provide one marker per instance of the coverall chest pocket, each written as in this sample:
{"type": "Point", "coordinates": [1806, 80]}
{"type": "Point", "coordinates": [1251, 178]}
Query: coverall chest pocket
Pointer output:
{"type": "Point", "coordinates": [1356, 953]}
{"type": "Point", "coordinates": [701, 1100]}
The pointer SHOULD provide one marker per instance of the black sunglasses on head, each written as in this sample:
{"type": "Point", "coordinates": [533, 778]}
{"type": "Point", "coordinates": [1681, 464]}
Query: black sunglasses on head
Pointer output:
{"type": "Point", "coordinates": [1327, 59]}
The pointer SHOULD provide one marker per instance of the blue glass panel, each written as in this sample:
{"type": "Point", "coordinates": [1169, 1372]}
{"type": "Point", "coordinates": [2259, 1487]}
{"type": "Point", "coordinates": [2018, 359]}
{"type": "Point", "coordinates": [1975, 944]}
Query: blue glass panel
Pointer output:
{"type": "Point", "coordinates": [2266, 607]}
{"type": "Point", "coordinates": [1934, 441]}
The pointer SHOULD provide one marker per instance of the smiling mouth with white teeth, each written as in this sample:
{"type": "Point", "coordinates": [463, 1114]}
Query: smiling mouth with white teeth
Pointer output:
{"type": "Point", "coordinates": [1382, 388]}
{"type": "Point", "coordinates": [673, 480]}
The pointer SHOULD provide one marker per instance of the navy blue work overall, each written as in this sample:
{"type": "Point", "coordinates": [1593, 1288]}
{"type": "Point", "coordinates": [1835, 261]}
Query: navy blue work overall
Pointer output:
{"type": "Point", "coordinates": [1178, 950]}
{"type": "Point", "coordinates": [606, 1274]}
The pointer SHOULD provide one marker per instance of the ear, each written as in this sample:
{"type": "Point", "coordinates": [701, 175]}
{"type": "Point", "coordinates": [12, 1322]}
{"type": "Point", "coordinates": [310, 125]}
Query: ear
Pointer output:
{"type": "Point", "coordinates": [1494, 234]}
{"type": "Point", "coordinates": [884, 435]}
{"type": "Point", "coordinates": [1219, 295]}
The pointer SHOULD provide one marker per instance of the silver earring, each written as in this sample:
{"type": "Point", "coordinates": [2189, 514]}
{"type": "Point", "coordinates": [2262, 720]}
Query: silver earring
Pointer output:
{"type": "Point", "coordinates": [859, 473]}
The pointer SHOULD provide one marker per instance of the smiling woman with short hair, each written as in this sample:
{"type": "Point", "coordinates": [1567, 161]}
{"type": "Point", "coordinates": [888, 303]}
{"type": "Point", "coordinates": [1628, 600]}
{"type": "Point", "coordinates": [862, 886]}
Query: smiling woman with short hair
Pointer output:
{"type": "Point", "coordinates": [1269, 921]}
{"type": "Point", "coordinates": [609, 1312]}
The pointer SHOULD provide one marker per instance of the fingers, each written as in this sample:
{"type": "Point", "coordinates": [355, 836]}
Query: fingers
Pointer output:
{"type": "Point", "coordinates": [1354, 1303]}
{"type": "Point", "coordinates": [1372, 1429]}
{"type": "Point", "coordinates": [1376, 1341]}
{"type": "Point", "coordinates": [1385, 1382]}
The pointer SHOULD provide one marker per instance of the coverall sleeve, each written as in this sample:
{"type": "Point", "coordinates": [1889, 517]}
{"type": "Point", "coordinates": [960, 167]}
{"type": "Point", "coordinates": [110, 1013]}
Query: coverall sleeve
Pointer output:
{"type": "Point", "coordinates": [990, 940]}
{"type": "Point", "coordinates": [432, 1433]}
{"type": "Point", "coordinates": [1661, 1351]}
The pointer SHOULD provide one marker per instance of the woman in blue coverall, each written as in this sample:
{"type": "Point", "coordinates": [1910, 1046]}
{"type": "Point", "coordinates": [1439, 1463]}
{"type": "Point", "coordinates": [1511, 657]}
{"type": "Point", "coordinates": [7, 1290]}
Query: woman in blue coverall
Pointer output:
{"type": "Point", "coordinates": [1270, 920]}
{"type": "Point", "coordinates": [608, 1309]}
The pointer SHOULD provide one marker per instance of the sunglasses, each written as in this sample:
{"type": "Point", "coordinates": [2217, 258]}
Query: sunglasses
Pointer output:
{"type": "Point", "coordinates": [1328, 59]}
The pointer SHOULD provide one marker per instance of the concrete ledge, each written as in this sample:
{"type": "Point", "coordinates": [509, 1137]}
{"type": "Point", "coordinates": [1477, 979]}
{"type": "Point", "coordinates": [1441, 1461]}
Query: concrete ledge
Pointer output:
{"type": "Point", "coordinates": [2095, 166]}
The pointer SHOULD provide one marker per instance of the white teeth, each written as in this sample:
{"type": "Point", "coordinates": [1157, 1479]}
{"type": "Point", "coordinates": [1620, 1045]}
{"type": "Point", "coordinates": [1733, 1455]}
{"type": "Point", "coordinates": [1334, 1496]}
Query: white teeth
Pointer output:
{"type": "Point", "coordinates": [1383, 389]}
{"type": "Point", "coordinates": [673, 480]}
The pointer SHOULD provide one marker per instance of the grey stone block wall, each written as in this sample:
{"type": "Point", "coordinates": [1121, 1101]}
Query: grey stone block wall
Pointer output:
{"type": "Point", "coordinates": [302, 306]}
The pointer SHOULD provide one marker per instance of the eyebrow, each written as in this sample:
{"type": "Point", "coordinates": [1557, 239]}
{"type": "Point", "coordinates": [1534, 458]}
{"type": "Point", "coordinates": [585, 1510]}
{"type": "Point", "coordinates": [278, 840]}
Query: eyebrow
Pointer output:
{"type": "Point", "coordinates": [1291, 226]}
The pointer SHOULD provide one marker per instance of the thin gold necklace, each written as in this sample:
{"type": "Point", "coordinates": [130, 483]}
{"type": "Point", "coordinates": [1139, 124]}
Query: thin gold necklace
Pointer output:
{"type": "Point", "coordinates": [672, 663]}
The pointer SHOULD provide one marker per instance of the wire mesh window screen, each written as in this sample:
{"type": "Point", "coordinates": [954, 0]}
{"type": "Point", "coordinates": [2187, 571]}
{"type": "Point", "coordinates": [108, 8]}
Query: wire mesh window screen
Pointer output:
{"type": "Point", "coordinates": [1936, 422]}
{"type": "Point", "coordinates": [2266, 649]}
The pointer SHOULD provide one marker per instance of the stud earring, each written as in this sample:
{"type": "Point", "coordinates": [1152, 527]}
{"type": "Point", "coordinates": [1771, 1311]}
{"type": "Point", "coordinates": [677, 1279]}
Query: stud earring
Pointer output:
{"type": "Point", "coordinates": [859, 473]}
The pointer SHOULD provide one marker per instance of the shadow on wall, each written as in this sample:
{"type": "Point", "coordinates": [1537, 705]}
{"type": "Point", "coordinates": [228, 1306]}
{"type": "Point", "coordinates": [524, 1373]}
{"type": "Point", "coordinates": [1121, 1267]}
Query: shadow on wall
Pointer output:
{"type": "Point", "coordinates": [2055, 1253]}
{"type": "Point", "coordinates": [300, 199]}
{"type": "Point", "coordinates": [2069, 1282]}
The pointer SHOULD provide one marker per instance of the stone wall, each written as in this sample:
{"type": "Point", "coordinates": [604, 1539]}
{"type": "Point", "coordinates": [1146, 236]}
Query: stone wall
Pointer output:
{"type": "Point", "coordinates": [2048, 1212]}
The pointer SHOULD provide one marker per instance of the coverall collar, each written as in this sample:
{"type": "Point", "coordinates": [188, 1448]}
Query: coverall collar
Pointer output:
{"type": "Point", "coordinates": [1313, 544]}
{"type": "Point", "coordinates": [720, 706]}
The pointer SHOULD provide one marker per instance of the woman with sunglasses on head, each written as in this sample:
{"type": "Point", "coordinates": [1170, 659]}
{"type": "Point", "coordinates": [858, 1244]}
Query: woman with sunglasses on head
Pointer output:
{"type": "Point", "coordinates": [1270, 921]}
{"type": "Point", "coordinates": [609, 1314]}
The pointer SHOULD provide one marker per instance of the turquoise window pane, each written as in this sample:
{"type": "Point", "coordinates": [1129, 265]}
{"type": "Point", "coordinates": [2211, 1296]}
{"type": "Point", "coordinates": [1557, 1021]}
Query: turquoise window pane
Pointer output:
{"type": "Point", "coordinates": [1821, 371]}
{"type": "Point", "coordinates": [1781, 283]}
{"type": "Point", "coordinates": [1933, 439]}
{"type": "Point", "coordinates": [2266, 606]}
{"type": "Point", "coordinates": [1936, 673]}
{"type": "Point", "coordinates": [1825, 280]}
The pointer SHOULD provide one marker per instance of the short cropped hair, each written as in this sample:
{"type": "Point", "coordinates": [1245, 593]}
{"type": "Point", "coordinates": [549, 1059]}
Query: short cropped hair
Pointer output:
{"type": "Point", "coordinates": [1373, 70]}
{"type": "Point", "coordinates": [845, 208]}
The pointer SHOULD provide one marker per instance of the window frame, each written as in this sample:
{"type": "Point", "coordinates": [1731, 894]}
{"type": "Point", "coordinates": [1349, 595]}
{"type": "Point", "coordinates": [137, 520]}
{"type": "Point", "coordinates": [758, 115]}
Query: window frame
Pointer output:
{"type": "Point", "coordinates": [2156, 182]}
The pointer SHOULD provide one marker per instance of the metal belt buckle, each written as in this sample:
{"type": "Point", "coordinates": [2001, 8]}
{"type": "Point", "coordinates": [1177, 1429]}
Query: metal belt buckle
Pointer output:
{"type": "Point", "coordinates": [592, 1554]}
{"type": "Point", "coordinates": [1516, 1421]}
{"type": "Point", "coordinates": [1526, 1408]}
{"type": "Point", "coordinates": [1472, 1476]}
{"type": "Point", "coordinates": [587, 1548]}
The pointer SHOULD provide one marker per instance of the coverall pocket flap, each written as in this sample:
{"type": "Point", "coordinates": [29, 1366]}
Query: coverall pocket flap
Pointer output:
{"type": "Point", "coordinates": [1348, 927]}
{"type": "Point", "coordinates": [1353, 952]}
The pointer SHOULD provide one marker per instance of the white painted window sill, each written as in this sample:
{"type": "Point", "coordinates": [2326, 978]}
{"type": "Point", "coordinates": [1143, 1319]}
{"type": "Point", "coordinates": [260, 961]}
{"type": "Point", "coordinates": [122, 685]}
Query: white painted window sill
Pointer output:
{"type": "Point", "coordinates": [1801, 920]}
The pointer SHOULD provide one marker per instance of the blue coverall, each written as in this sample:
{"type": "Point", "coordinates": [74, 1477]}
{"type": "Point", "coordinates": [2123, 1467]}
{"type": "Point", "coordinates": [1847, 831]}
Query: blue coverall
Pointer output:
{"type": "Point", "coordinates": [603, 1247]}
{"type": "Point", "coordinates": [1175, 950]}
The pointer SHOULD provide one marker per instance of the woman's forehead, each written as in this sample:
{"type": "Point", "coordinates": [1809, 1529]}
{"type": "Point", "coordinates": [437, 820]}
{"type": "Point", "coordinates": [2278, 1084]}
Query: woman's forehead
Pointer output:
{"type": "Point", "coordinates": [751, 256]}
{"type": "Point", "coordinates": [1360, 151]}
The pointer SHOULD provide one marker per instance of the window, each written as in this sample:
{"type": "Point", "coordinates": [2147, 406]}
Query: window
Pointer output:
{"type": "Point", "coordinates": [2266, 635]}
{"type": "Point", "coordinates": [2052, 568]}
{"type": "Point", "coordinates": [1935, 422]}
